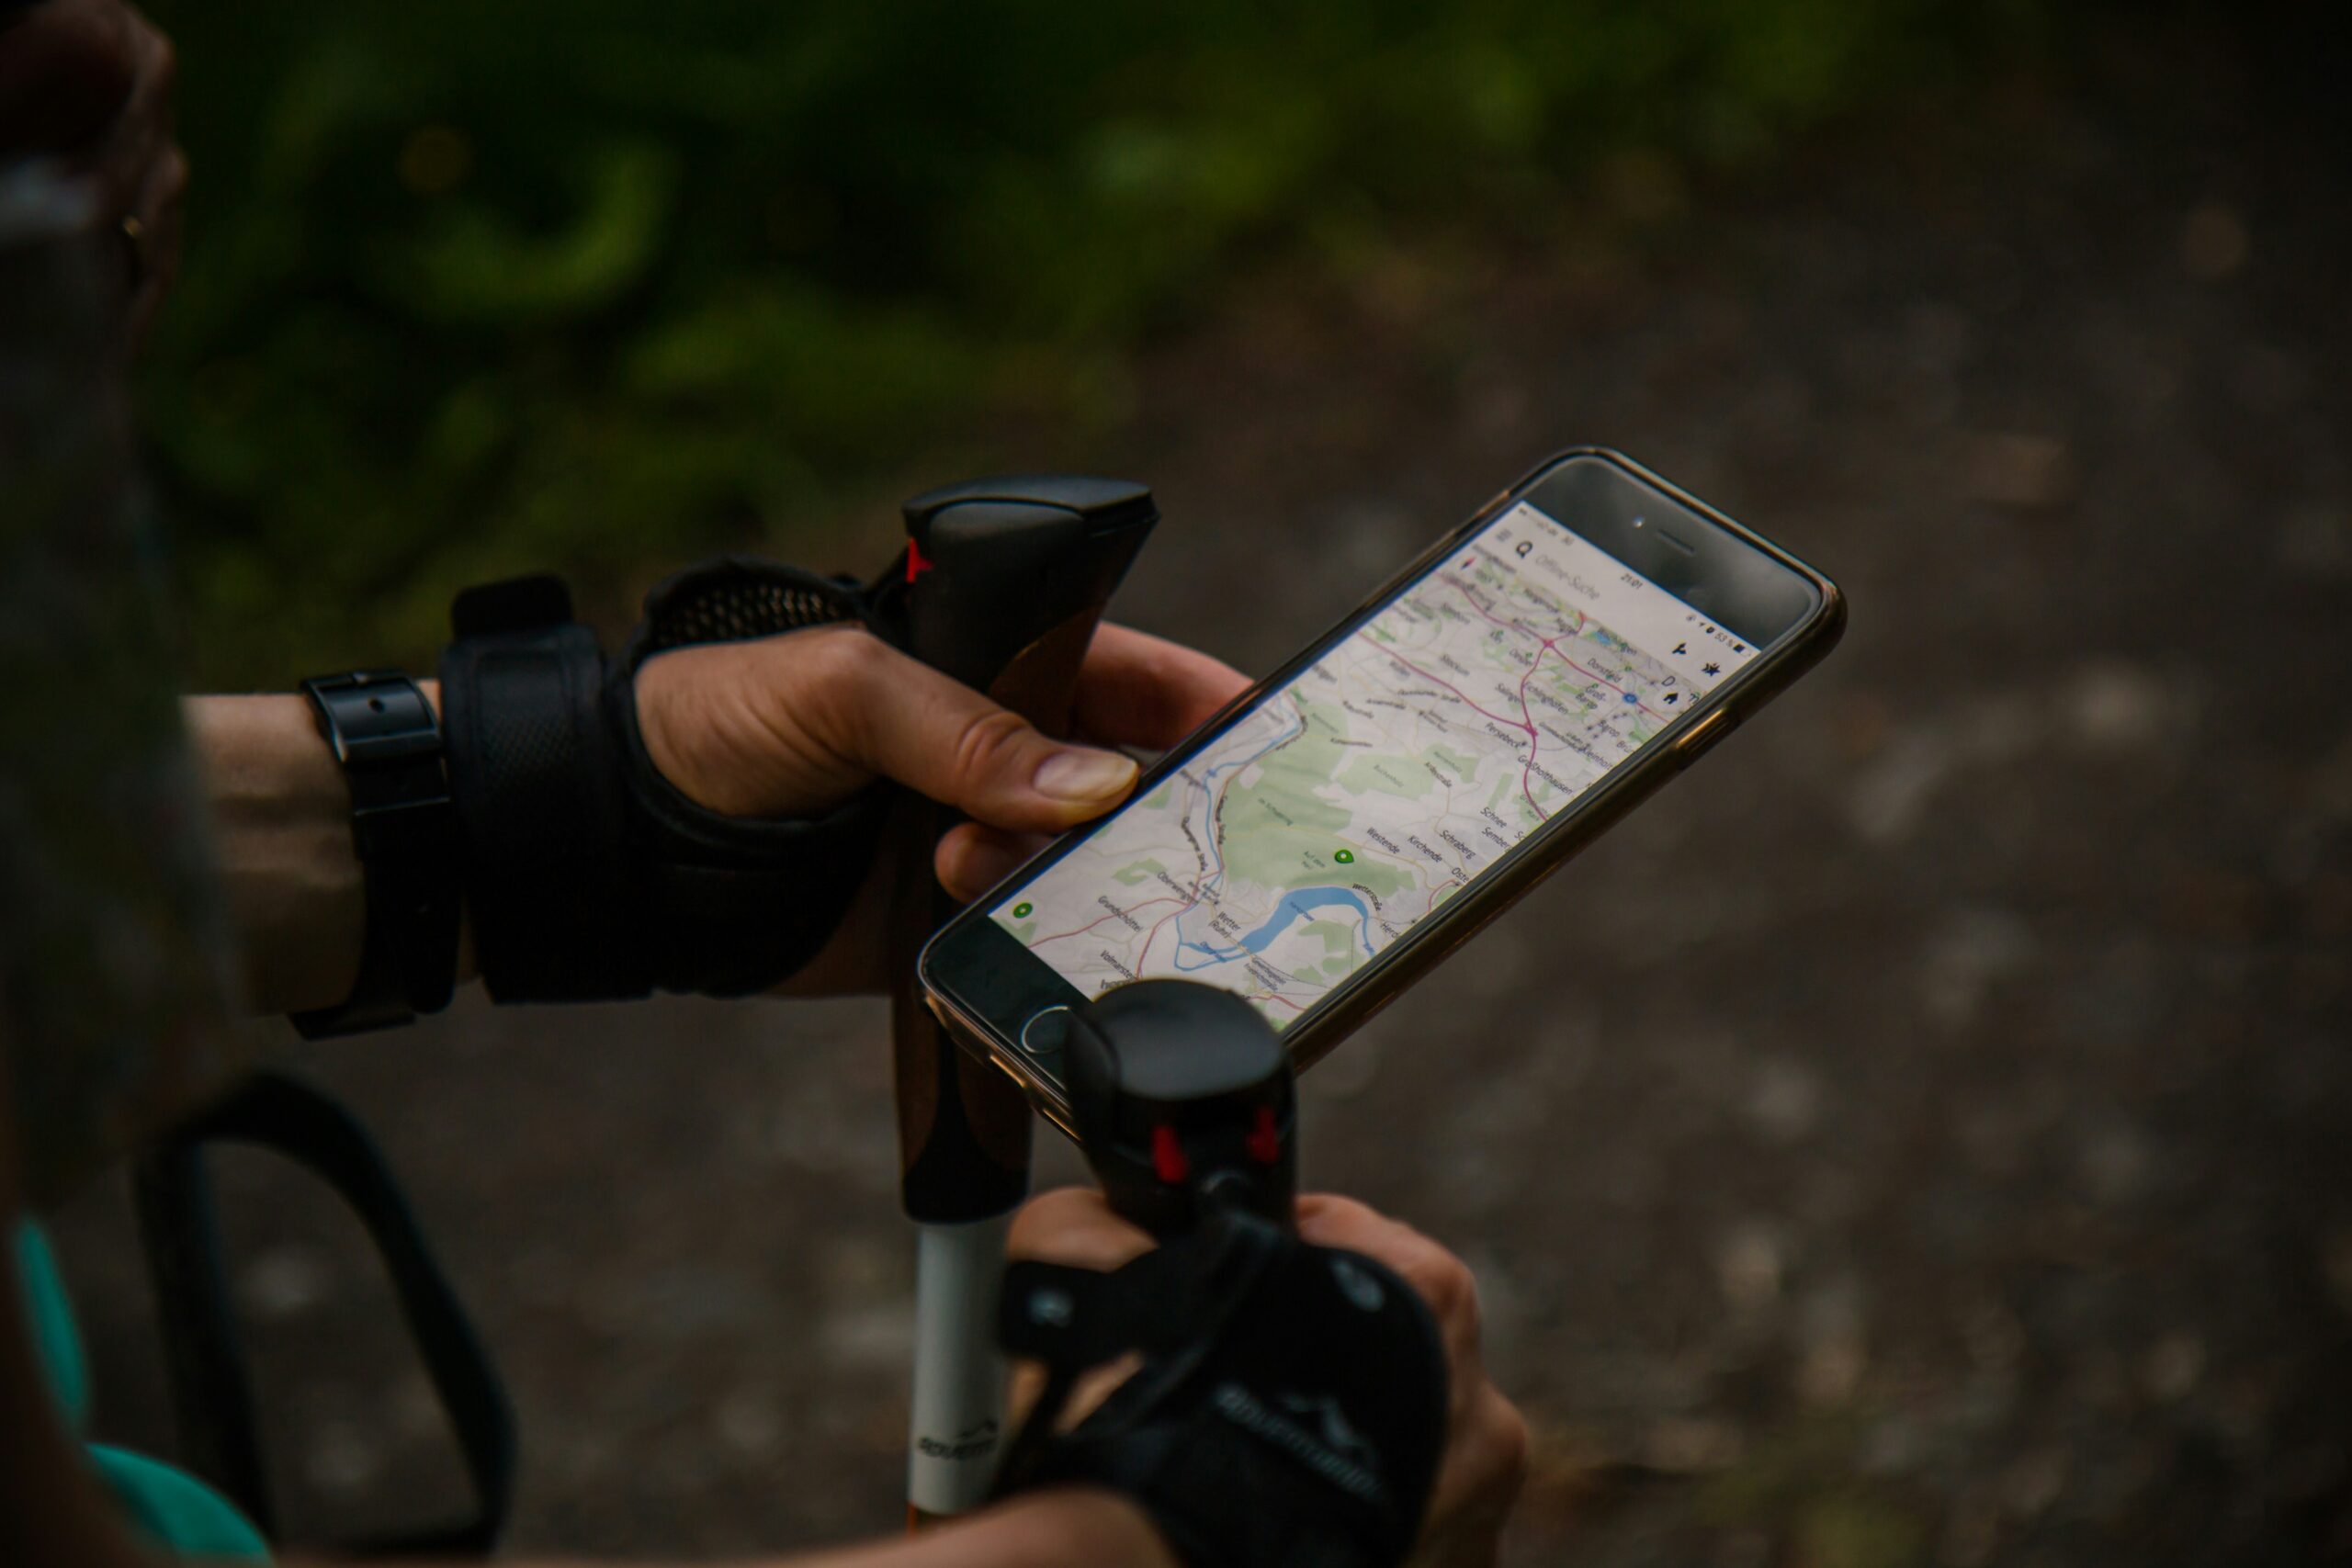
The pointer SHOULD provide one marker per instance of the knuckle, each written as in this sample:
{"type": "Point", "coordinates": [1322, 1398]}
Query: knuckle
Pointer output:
{"type": "Point", "coordinates": [987, 744]}
{"type": "Point", "coordinates": [833, 665]}
{"type": "Point", "coordinates": [836, 655]}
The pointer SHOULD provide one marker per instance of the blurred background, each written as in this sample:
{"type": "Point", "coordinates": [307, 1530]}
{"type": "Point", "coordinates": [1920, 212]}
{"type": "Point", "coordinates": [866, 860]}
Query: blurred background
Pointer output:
{"type": "Point", "coordinates": [1922, 1135]}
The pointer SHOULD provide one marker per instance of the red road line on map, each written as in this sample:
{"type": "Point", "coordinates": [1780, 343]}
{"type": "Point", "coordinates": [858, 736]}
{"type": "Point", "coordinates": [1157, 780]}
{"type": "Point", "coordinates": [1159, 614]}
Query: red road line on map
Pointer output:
{"type": "Point", "coordinates": [1550, 645]}
{"type": "Point", "coordinates": [1451, 581]}
{"type": "Point", "coordinates": [1526, 720]}
{"type": "Point", "coordinates": [1526, 771]}
{"type": "Point", "coordinates": [1425, 675]}
{"type": "Point", "coordinates": [1271, 996]}
{"type": "Point", "coordinates": [1143, 951]}
{"type": "Point", "coordinates": [1082, 931]}
{"type": "Point", "coordinates": [1441, 887]}
{"type": "Point", "coordinates": [1457, 585]}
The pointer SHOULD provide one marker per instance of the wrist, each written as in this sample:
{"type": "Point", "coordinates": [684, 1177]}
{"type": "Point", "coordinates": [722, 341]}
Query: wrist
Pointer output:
{"type": "Point", "coordinates": [290, 871]}
{"type": "Point", "coordinates": [281, 817]}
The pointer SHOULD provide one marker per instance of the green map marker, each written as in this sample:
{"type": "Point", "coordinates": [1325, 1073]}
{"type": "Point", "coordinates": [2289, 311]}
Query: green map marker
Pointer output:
{"type": "Point", "coordinates": [1345, 857]}
{"type": "Point", "coordinates": [1021, 911]}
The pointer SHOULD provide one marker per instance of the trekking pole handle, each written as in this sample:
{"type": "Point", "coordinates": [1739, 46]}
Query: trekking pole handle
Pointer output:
{"type": "Point", "coordinates": [1002, 587]}
{"type": "Point", "coordinates": [1005, 581]}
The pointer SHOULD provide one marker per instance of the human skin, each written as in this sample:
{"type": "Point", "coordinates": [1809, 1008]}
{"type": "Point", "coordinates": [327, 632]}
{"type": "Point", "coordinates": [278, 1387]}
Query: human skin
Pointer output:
{"type": "Point", "coordinates": [790, 726]}
{"type": "Point", "coordinates": [779, 728]}
{"type": "Point", "coordinates": [1485, 1446]}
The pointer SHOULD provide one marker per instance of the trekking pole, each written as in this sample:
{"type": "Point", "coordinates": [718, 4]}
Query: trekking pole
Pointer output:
{"type": "Point", "coordinates": [1184, 1104]}
{"type": "Point", "coordinates": [1005, 581]}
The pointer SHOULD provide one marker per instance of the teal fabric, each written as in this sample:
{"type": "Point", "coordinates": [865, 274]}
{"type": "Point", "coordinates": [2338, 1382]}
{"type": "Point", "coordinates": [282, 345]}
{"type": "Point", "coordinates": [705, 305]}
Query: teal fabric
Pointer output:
{"type": "Point", "coordinates": [173, 1510]}
{"type": "Point", "coordinates": [55, 1340]}
{"type": "Point", "coordinates": [176, 1511]}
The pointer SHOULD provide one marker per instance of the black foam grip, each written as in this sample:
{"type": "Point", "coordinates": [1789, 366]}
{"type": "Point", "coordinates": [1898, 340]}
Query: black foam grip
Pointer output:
{"type": "Point", "coordinates": [1002, 584]}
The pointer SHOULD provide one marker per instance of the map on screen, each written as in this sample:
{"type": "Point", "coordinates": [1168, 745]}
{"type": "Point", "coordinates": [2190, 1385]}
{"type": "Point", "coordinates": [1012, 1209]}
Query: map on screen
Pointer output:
{"type": "Point", "coordinates": [1315, 829]}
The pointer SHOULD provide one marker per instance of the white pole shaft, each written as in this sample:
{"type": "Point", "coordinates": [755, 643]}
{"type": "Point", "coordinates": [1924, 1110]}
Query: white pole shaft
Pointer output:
{"type": "Point", "coordinates": [958, 1415]}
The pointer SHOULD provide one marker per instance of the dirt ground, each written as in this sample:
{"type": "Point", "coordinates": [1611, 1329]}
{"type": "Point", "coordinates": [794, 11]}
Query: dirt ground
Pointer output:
{"type": "Point", "coordinates": [1920, 1135]}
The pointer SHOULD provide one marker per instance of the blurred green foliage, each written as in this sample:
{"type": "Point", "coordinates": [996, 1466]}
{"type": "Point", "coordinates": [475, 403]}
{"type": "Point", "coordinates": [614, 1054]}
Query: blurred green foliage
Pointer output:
{"type": "Point", "coordinates": [474, 288]}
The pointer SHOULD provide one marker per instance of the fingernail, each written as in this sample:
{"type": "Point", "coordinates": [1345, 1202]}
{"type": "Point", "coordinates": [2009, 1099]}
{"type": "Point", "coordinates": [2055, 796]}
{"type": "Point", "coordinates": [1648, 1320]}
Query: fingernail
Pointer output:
{"type": "Point", "coordinates": [1084, 775]}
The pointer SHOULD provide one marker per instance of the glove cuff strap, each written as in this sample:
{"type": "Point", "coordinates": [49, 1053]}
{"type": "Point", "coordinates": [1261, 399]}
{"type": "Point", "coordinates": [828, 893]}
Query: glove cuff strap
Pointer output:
{"type": "Point", "coordinates": [542, 811]}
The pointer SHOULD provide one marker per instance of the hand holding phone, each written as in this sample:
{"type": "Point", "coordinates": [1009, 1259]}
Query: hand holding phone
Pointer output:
{"type": "Point", "coordinates": [1359, 813]}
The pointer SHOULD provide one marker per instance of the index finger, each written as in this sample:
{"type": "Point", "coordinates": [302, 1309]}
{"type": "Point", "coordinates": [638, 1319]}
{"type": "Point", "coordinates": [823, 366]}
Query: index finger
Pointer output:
{"type": "Point", "coordinates": [1141, 690]}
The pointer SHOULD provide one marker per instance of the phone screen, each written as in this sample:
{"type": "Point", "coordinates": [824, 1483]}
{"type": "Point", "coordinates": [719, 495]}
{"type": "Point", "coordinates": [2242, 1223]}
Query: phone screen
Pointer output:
{"type": "Point", "coordinates": [1318, 827]}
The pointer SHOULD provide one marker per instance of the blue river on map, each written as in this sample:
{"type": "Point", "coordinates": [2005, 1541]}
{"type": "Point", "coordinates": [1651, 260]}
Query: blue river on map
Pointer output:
{"type": "Point", "coordinates": [1294, 905]}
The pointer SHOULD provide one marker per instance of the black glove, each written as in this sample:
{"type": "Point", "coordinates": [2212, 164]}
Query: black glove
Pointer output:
{"type": "Point", "coordinates": [1291, 1408]}
{"type": "Point", "coordinates": [589, 878]}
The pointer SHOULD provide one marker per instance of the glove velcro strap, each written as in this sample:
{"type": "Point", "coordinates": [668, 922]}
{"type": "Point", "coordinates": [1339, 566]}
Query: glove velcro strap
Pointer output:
{"type": "Point", "coordinates": [542, 813]}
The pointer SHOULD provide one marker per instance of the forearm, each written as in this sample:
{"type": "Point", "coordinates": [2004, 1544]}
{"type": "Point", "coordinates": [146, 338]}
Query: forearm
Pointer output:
{"type": "Point", "coordinates": [1066, 1528]}
{"type": "Point", "coordinates": [1069, 1528]}
{"type": "Point", "coordinates": [281, 818]}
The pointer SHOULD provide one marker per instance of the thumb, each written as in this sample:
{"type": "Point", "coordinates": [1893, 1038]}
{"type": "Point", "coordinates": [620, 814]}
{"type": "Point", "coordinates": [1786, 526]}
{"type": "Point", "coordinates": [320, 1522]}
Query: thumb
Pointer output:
{"type": "Point", "coordinates": [934, 735]}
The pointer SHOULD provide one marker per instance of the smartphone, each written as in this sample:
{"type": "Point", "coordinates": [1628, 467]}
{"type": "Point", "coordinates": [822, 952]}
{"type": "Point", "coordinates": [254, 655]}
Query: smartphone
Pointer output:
{"type": "Point", "coordinates": [1350, 819]}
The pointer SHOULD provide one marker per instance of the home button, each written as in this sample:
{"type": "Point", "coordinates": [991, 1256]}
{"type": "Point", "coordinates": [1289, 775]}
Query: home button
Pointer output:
{"type": "Point", "coordinates": [1046, 1029]}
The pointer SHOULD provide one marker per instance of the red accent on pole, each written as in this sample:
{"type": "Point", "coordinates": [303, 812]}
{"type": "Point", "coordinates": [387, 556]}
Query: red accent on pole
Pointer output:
{"type": "Point", "coordinates": [1167, 1161]}
{"type": "Point", "coordinates": [916, 563]}
{"type": "Point", "coordinates": [1265, 1143]}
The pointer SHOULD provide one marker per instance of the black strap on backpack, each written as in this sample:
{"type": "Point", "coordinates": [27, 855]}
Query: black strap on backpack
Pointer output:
{"type": "Point", "coordinates": [203, 1351]}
